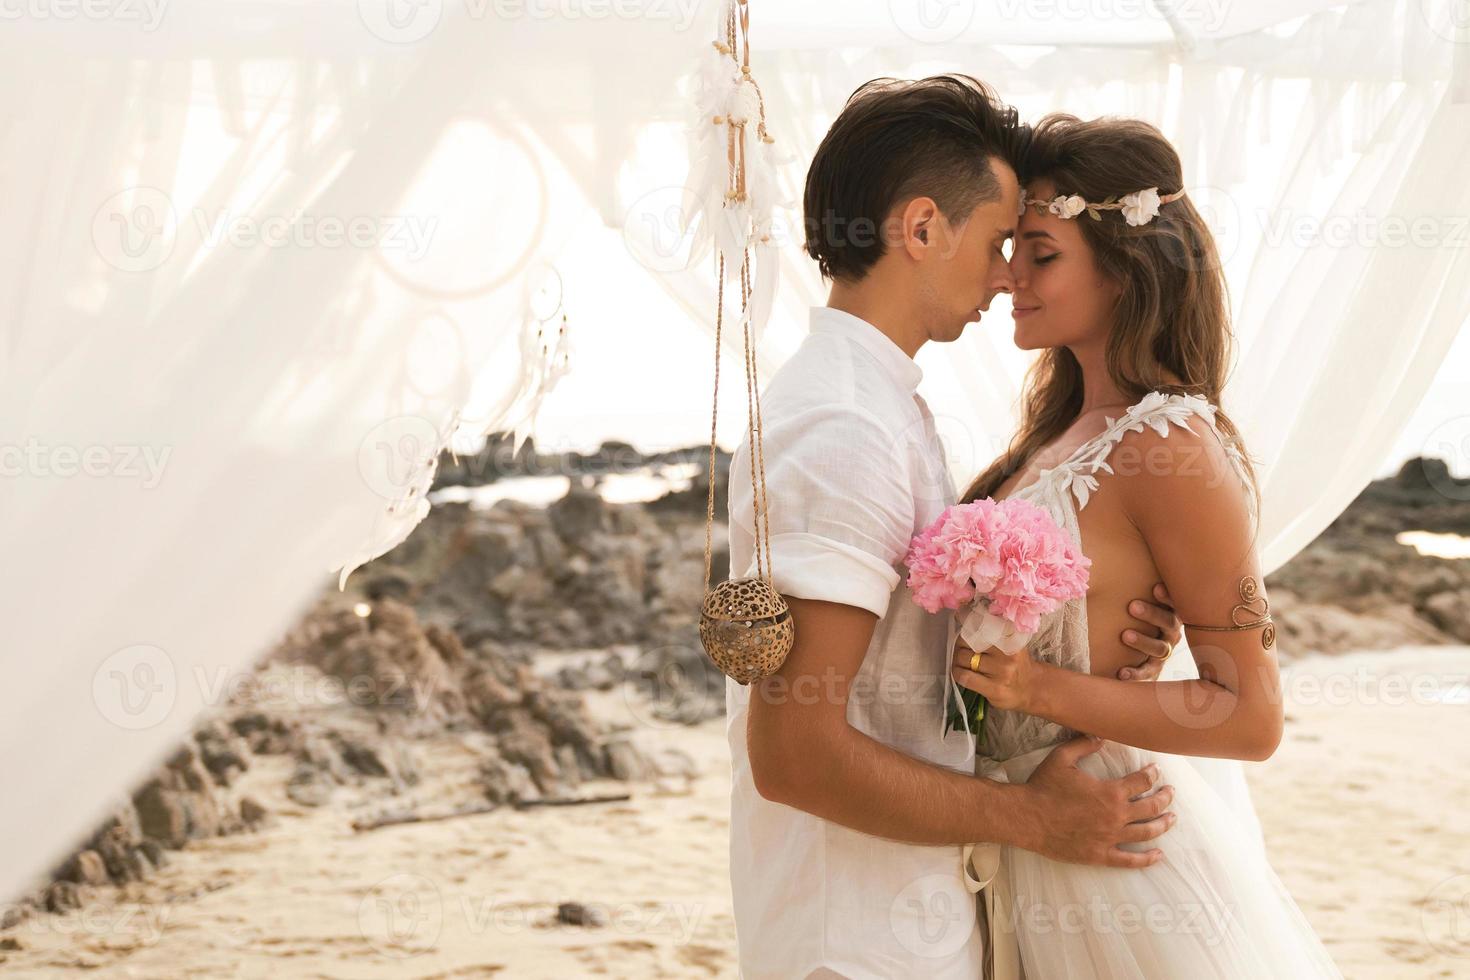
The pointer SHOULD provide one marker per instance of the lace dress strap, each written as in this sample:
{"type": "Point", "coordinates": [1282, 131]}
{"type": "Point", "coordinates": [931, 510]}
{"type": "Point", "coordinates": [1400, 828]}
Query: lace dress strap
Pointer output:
{"type": "Point", "coordinates": [1156, 410]}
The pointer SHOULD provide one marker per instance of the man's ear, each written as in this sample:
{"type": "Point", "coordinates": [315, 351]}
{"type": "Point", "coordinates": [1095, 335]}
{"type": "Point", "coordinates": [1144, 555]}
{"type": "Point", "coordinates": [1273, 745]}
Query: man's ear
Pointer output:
{"type": "Point", "coordinates": [916, 225]}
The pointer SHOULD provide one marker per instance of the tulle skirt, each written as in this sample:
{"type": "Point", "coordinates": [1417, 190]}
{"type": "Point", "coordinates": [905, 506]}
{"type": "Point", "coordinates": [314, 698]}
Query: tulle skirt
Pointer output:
{"type": "Point", "coordinates": [1213, 908]}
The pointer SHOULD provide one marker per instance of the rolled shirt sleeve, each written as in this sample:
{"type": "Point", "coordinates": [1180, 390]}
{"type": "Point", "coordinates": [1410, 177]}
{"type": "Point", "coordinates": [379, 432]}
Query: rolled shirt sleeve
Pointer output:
{"type": "Point", "coordinates": [841, 507]}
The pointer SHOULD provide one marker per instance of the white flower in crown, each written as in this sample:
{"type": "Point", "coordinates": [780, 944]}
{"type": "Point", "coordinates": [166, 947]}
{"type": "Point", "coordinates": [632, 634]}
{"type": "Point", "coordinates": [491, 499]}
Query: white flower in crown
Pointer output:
{"type": "Point", "coordinates": [1140, 207]}
{"type": "Point", "coordinates": [1067, 207]}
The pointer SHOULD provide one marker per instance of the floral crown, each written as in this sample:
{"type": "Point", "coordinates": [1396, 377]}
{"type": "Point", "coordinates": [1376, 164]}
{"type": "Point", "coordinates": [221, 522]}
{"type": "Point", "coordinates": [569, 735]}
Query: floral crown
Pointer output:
{"type": "Point", "coordinates": [1139, 208]}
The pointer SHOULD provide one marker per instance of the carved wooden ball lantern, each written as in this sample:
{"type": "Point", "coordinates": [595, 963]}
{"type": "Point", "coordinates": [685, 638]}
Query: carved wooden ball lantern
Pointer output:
{"type": "Point", "coordinates": [746, 628]}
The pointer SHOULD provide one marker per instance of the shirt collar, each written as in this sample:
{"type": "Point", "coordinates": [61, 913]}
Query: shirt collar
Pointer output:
{"type": "Point", "coordinates": [900, 366]}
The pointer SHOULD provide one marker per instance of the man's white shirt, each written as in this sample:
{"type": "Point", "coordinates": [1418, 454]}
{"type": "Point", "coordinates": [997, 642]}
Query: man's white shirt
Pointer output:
{"type": "Point", "coordinates": [854, 469]}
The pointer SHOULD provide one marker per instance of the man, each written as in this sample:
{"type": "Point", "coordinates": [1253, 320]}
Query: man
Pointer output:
{"type": "Point", "coordinates": [849, 803]}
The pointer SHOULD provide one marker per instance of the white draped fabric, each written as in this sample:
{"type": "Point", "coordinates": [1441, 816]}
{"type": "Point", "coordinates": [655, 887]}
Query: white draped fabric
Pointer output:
{"type": "Point", "coordinates": [260, 260]}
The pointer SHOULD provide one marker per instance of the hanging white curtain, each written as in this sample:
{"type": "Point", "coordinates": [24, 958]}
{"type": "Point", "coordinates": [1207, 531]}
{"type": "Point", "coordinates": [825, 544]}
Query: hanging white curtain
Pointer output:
{"type": "Point", "coordinates": [251, 281]}
{"type": "Point", "coordinates": [259, 261]}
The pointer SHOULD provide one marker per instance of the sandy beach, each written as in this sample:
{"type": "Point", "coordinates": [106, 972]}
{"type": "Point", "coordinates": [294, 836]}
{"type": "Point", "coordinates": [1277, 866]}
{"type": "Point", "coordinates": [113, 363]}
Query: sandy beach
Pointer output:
{"type": "Point", "coordinates": [1362, 808]}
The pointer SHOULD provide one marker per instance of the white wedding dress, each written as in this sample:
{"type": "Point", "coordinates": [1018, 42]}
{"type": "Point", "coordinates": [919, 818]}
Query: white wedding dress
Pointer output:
{"type": "Point", "coordinates": [1213, 908]}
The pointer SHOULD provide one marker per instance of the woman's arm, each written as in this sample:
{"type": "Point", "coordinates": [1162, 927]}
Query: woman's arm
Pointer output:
{"type": "Point", "coordinates": [1192, 512]}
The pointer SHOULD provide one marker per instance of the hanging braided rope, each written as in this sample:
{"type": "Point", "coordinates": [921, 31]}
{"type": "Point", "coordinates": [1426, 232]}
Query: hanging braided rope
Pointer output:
{"type": "Point", "coordinates": [745, 624]}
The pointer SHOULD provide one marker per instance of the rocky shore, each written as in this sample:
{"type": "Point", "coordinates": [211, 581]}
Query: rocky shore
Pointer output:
{"type": "Point", "coordinates": [1355, 587]}
{"type": "Point", "coordinates": [486, 625]}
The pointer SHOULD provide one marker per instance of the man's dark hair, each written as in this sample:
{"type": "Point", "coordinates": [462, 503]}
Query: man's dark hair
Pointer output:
{"type": "Point", "coordinates": [896, 140]}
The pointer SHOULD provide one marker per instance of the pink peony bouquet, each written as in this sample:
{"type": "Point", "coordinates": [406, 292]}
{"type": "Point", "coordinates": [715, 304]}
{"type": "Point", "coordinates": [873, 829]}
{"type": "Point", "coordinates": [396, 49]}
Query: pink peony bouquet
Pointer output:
{"type": "Point", "coordinates": [1009, 562]}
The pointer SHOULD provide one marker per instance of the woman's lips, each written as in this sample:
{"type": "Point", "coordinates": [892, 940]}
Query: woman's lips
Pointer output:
{"type": "Point", "coordinates": [1020, 311]}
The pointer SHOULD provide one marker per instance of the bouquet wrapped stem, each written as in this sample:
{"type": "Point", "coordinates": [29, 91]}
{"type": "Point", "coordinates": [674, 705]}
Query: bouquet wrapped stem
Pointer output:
{"type": "Point", "coordinates": [982, 629]}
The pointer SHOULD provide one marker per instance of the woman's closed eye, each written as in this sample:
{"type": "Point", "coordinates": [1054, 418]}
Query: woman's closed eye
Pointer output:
{"type": "Point", "coordinates": [1044, 259]}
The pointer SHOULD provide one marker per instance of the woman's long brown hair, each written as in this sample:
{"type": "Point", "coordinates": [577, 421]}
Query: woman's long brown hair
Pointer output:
{"type": "Point", "coordinates": [1173, 315]}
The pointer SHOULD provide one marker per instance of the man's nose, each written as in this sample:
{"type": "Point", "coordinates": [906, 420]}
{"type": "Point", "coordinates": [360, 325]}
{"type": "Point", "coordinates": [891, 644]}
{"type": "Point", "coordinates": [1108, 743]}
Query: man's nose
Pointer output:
{"type": "Point", "coordinates": [1003, 280]}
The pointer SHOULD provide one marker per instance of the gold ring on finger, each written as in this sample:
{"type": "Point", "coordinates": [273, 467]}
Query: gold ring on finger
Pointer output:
{"type": "Point", "coordinates": [975, 662]}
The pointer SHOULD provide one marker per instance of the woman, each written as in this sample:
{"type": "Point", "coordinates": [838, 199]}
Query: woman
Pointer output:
{"type": "Point", "coordinates": [1122, 440]}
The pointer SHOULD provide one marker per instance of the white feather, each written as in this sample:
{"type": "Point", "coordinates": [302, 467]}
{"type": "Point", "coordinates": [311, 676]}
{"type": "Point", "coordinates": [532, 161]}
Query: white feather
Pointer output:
{"type": "Point", "coordinates": [720, 91]}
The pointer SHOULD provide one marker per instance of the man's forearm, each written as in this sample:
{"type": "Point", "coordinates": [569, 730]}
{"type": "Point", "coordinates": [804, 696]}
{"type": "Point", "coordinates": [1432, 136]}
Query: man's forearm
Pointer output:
{"type": "Point", "coordinates": [858, 782]}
